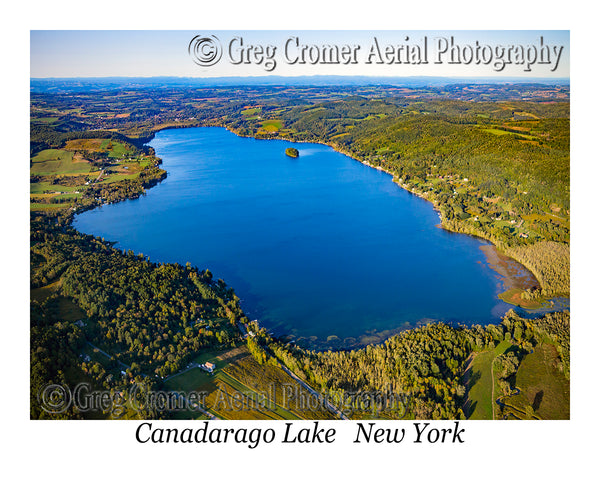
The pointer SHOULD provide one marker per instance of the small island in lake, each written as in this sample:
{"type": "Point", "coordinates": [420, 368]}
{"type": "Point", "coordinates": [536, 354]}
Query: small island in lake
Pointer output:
{"type": "Point", "coordinates": [292, 152]}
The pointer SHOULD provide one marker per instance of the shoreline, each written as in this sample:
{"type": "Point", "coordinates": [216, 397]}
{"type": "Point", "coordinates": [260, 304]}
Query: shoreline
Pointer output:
{"type": "Point", "coordinates": [379, 337]}
{"type": "Point", "coordinates": [445, 224]}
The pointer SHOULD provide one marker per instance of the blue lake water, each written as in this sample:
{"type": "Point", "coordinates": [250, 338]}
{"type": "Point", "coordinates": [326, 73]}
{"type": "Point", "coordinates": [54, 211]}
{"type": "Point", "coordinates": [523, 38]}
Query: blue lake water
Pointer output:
{"type": "Point", "coordinates": [317, 246]}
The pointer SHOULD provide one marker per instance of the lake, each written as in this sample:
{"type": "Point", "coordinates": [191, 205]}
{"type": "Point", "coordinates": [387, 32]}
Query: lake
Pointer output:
{"type": "Point", "coordinates": [320, 248]}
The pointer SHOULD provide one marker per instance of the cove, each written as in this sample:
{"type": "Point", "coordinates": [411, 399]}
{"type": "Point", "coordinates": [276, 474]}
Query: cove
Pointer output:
{"type": "Point", "coordinates": [320, 248]}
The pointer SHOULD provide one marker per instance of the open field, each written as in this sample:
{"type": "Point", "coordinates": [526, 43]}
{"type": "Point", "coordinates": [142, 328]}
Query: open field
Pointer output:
{"type": "Point", "coordinates": [481, 383]}
{"type": "Point", "coordinates": [53, 162]}
{"type": "Point", "coordinates": [480, 386]}
{"type": "Point", "coordinates": [543, 387]}
{"type": "Point", "coordinates": [250, 111]}
{"type": "Point", "coordinates": [117, 149]}
{"type": "Point", "coordinates": [44, 120]}
{"type": "Point", "coordinates": [42, 293]}
{"type": "Point", "coordinates": [240, 388]}
{"type": "Point", "coordinates": [258, 401]}
{"type": "Point", "coordinates": [193, 379]}
{"type": "Point", "coordinates": [226, 397]}
{"type": "Point", "coordinates": [87, 144]}
{"type": "Point", "coordinates": [46, 206]}
{"type": "Point", "coordinates": [114, 148]}
{"type": "Point", "coordinates": [272, 125]}
{"type": "Point", "coordinates": [117, 177]}
{"type": "Point", "coordinates": [47, 187]}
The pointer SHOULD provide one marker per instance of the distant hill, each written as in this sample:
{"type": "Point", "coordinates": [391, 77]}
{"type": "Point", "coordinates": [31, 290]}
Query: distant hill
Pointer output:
{"type": "Point", "coordinates": [63, 85]}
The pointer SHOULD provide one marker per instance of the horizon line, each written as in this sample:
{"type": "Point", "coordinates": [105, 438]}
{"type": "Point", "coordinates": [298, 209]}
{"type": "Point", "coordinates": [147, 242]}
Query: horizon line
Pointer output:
{"type": "Point", "coordinates": [296, 76]}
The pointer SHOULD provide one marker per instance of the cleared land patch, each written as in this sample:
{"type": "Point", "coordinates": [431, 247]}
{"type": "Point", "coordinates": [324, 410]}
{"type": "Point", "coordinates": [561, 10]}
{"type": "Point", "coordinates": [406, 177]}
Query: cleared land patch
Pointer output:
{"type": "Point", "coordinates": [544, 389]}
{"type": "Point", "coordinates": [480, 383]}
{"type": "Point", "coordinates": [241, 388]}
{"type": "Point", "coordinates": [53, 162]}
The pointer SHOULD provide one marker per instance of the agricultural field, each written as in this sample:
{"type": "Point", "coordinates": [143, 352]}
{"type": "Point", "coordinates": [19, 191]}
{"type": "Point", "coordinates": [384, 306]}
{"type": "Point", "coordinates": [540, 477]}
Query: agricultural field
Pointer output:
{"type": "Point", "coordinates": [112, 148]}
{"type": "Point", "coordinates": [242, 389]}
{"type": "Point", "coordinates": [272, 125]}
{"type": "Point", "coordinates": [58, 162]}
{"type": "Point", "coordinates": [519, 135]}
{"type": "Point", "coordinates": [250, 112]}
{"type": "Point", "coordinates": [43, 187]}
{"type": "Point", "coordinates": [44, 120]}
{"type": "Point", "coordinates": [60, 177]}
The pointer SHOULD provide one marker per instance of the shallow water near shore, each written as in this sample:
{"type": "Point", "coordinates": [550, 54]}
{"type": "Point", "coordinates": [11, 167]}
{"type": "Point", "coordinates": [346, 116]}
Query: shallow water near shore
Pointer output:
{"type": "Point", "coordinates": [319, 248]}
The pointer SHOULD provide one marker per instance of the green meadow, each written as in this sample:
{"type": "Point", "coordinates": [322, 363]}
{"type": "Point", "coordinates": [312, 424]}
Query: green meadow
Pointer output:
{"type": "Point", "coordinates": [481, 383]}
{"type": "Point", "coordinates": [57, 162]}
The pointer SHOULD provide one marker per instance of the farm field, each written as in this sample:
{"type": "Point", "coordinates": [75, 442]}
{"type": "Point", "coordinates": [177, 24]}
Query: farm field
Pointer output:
{"type": "Point", "coordinates": [53, 162]}
{"type": "Point", "coordinates": [481, 383]}
{"type": "Point", "coordinates": [242, 389]}
{"type": "Point", "coordinates": [60, 177]}
{"type": "Point", "coordinates": [272, 125]}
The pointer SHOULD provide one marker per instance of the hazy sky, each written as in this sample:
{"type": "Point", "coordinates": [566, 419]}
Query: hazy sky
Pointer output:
{"type": "Point", "coordinates": [165, 53]}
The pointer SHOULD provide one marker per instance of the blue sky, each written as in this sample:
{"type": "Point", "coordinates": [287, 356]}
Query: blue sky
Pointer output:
{"type": "Point", "coordinates": [90, 53]}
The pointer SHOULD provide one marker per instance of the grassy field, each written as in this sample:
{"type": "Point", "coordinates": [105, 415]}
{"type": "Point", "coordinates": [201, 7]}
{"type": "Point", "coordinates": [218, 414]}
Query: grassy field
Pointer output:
{"type": "Point", "coordinates": [87, 144]}
{"type": "Point", "coordinates": [272, 125]}
{"type": "Point", "coordinates": [68, 311]}
{"type": "Point", "coordinates": [242, 389]}
{"type": "Point", "coordinates": [65, 308]}
{"type": "Point", "coordinates": [42, 293]}
{"type": "Point", "coordinates": [479, 406]}
{"type": "Point", "coordinates": [498, 131]}
{"type": "Point", "coordinates": [117, 150]}
{"type": "Point", "coordinates": [258, 400]}
{"type": "Point", "coordinates": [114, 148]}
{"type": "Point", "coordinates": [53, 162]}
{"type": "Point", "coordinates": [44, 120]}
{"type": "Point", "coordinates": [117, 177]}
{"type": "Point", "coordinates": [284, 390]}
{"type": "Point", "coordinates": [543, 387]}
{"type": "Point", "coordinates": [46, 206]}
{"type": "Point", "coordinates": [480, 383]}
{"type": "Point", "coordinates": [250, 111]}
{"type": "Point", "coordinates": [193, 379]}
{"type": "Point", "coordinates": [47, 187]}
